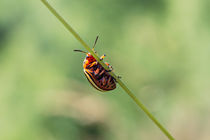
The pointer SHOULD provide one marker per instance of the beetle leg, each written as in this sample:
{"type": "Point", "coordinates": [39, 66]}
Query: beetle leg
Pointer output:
{"type": "Point", "coordinates": [109, 66]}
{"type": "Point", "coordinates": [119, 77]}
{"type": "Point", "coordinates": [108, 70]}
{"type": "Point", "coordinates": [102, 57]}
{"type": "Point", "coordinates": [94, 63]}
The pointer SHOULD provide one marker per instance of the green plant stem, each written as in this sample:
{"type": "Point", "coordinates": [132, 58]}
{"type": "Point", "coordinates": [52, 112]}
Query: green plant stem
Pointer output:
{"type": "Point", "coordinates": [71, 30]}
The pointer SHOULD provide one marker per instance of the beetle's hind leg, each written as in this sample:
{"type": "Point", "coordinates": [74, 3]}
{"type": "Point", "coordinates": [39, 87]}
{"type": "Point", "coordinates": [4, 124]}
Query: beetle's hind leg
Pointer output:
{"type": "Point", "coordinates": [119, 77]}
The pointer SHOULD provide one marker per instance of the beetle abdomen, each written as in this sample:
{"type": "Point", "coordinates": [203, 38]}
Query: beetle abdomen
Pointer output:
{"type": "Point", "coordinates": [99, 78]}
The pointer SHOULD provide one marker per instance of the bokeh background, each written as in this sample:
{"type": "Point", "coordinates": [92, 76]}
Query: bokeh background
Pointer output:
{"type": "Point", "coordinates": [161, 48]}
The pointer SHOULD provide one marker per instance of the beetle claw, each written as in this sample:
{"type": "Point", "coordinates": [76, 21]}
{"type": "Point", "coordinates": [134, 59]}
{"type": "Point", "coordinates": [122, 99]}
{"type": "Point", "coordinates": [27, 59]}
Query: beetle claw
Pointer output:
{"type": "Point", "coordinates": [119, 77]}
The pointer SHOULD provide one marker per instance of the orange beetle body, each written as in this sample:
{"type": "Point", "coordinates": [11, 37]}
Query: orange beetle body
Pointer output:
{"type": "Point", "coordinates": [96, 74]}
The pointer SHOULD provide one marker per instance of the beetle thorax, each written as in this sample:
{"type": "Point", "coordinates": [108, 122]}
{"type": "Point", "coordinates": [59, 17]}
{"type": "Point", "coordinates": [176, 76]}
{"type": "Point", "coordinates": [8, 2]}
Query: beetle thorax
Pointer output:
{"type": "Point", "coordinates": [88, 60]}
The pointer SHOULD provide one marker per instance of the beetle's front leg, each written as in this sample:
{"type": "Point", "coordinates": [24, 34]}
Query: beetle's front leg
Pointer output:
{"type": "Point", "coordinates": [102, 57]}
{"type": "Point", "coordinates": [94, 63]}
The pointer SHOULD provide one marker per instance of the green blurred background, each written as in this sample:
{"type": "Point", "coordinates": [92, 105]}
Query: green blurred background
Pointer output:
{"type": "Point", "coordinates": [161, 48]}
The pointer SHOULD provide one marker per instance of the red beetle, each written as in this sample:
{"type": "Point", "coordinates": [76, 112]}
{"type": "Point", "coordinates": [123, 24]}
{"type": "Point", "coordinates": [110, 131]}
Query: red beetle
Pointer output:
{"type": "Point", "coordinates": [96, 74]}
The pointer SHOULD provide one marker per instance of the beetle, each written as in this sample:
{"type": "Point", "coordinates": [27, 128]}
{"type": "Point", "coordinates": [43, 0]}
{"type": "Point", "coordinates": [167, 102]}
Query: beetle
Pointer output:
{"type": "Point", "coordinates": [96, 74]}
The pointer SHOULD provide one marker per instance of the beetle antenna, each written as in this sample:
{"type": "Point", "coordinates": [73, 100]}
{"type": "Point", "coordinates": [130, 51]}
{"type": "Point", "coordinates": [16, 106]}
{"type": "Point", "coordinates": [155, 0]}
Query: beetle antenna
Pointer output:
{"type": "Point", "coordinates": [80, 51]}
{"type": "Point", "coordinates": [95, 42]}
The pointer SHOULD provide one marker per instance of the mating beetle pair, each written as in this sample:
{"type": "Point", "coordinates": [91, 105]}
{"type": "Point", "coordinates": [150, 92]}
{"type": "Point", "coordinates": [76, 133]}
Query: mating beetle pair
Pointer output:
{"type": "Point", "coordinates": [96, 74]}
